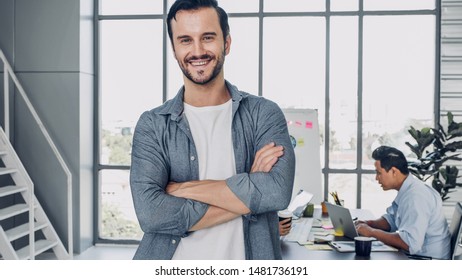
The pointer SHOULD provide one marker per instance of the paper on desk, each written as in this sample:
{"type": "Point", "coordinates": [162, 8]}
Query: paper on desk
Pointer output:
{"type": "Point", "coordinates": [318, 247]}
{"type": "Point", "coordinates": [323, 233]}
{"type": "Point", "coordinates": [299, 202]}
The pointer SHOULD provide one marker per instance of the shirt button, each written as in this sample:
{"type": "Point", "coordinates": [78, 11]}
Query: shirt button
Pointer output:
{"type": "Point", "coordinates": [173, 241]}
{"type": "Point", "coordinates": [193, 158]}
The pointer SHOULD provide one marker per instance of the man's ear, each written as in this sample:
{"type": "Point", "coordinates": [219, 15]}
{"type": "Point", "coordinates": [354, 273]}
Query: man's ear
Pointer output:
{"type": "Point", "coordinates": [396, 171]}
{"type": "Point", "coordinates": [227, 44]}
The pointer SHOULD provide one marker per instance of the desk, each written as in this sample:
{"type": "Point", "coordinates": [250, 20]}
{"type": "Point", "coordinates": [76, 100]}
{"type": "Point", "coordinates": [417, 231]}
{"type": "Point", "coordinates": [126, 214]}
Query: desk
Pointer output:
{"type": "Point", "coordinates": [294, 251]}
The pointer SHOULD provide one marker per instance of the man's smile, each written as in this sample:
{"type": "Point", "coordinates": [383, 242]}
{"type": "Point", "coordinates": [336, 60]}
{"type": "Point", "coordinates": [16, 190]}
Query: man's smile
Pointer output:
{"type": "Point", "coordinates": [198, 63]}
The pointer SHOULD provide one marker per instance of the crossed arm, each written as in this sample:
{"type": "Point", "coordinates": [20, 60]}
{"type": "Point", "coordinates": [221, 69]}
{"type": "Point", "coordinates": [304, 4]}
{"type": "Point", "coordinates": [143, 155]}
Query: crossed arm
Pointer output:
{"type": "Point", "coordinates": [380, 230]}
{"type": "Point", "coordinates": [224, 204]}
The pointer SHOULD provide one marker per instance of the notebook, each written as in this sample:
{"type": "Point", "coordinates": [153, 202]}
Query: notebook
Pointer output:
{"type": "Point", "coordinates": [349, 246]}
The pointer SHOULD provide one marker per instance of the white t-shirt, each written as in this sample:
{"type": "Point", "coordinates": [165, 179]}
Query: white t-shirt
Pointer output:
{"type": "Point", "coordinates": [211, 131]}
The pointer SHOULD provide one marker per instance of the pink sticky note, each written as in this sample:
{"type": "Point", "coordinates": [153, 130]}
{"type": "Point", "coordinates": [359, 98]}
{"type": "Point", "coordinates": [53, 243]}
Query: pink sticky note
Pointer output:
{"type": "Point", "coordinates": [308, 125]}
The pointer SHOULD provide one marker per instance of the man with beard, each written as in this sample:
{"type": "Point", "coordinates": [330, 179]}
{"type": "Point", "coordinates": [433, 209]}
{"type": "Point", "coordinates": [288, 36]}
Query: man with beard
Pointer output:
{"type": "Point", "coordinates": [415, 221]}
{"type": "Point", "coordinates": [211, 167]}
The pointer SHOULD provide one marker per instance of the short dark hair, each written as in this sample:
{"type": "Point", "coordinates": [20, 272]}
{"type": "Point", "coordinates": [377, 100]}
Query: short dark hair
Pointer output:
{"type": "Point", "coordinates": [391, 157]}
{"type": "Point", "coordinates": [189, 5]}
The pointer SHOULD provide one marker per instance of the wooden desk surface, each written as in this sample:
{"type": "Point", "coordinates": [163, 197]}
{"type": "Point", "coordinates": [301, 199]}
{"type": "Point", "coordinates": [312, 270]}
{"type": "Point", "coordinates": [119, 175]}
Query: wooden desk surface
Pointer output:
{"type": "Point", "coordinates": [294, 251]}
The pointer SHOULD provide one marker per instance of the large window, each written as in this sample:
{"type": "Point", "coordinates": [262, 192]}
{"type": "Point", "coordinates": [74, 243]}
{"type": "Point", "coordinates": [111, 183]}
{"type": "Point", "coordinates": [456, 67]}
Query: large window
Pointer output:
{"type": "Point", "coordinates": [368, 66]}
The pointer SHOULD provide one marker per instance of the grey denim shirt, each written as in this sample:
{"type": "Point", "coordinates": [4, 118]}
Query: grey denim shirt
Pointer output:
{"type": "Point", "coordinates": [163, 150]}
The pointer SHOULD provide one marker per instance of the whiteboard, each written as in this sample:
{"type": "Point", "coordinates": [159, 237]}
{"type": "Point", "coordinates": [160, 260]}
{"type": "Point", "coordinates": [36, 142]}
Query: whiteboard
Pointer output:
{"type": "Point", "coordinates": [304, 131]}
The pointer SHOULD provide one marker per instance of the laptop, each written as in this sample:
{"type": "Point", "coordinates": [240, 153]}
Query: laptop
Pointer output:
{"type": "Point", "coordinates": [343, 223]}
{"type": "Point", "coordinates": [341, 220]}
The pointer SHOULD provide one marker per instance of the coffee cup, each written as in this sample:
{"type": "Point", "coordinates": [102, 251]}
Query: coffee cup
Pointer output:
{"type": "Point", "coordinates": [363, 246]}
{"type": "Point", "coordinates": [285, 214]}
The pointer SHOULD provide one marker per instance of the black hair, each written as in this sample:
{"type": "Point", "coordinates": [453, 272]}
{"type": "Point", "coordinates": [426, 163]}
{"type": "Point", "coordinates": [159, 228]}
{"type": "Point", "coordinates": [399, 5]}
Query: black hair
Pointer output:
{"type": "Point", "coordinates": [189, 5]}
{"type": "Point", "coordinates": [391, 157]}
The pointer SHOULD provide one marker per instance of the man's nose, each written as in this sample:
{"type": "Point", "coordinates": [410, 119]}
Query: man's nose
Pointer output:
{"type": "Point", "coordinates": [198, 49]}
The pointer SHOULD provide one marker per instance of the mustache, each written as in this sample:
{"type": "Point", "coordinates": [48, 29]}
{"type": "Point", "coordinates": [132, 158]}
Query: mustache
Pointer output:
{"type": "Point", "coordinates": [204, 56]}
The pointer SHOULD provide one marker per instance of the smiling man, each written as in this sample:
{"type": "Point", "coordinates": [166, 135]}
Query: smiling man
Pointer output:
{"type": "Point", "coordinates": [211, 167]}
{"type": "Point", "coordinates": [415, 221]}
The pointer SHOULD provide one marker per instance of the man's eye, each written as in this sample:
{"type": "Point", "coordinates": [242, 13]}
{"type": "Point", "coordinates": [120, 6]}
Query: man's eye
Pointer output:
{"type": "Point", "coordinates": [185, 41]}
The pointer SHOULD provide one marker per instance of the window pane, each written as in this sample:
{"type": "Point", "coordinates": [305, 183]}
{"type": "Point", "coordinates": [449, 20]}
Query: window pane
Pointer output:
{"type": "Point", "coordinates": [294, 5]}
{"type": "Point", "coordinates": [346, 187]}
{"type": "Point", "coordinates": [451, 86]}
{"type": "Point", "coordinates": [239, 6]}
{"type": "Point", "coordinates": [131, 82]}
{"type": "Point", "coordinates": [117, 215]}
{"type": "Point", "coordinates": [344, 5]}
{"type": "Point", "coordinates": [452, 49]}
{"type": "Point", "coordinates": [373, 197]}
{"type": "Point", "coordinates": [451, 12]}
{"type": "Point", "coordinates": [132, 7]}
{"type": "Point", "coordinates": [343, 92]}
{"type": "Point", "coordinates": [398, 79]}
{"type": "Point", "coordinates": [398, 4]}
{"type": "Point", "coordinates": [294, 74]}
{"type": "Point", "coordinates": [241, 66]}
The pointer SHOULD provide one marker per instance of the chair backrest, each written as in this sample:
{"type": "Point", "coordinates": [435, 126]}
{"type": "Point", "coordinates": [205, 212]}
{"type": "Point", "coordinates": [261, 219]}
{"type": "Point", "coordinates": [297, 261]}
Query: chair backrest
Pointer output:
{"type": "Point", "coordinates": [455, 229]}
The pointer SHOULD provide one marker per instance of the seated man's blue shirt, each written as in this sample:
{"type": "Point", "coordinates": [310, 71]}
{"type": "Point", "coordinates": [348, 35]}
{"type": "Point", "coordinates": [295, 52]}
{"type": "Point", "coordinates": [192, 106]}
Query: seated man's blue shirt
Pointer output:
{"type": "Point", "coordinates": [417, 215]}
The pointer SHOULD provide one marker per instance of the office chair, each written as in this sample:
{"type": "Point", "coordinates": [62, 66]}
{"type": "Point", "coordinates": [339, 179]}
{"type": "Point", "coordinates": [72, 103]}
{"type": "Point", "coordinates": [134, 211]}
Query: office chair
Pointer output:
{"type": "Point", "coordinates": [456, 231]}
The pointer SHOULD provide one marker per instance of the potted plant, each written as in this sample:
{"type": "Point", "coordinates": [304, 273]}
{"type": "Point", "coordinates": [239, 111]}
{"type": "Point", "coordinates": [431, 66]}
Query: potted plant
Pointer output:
{"type": "Point", "coordinates": [433, 148]}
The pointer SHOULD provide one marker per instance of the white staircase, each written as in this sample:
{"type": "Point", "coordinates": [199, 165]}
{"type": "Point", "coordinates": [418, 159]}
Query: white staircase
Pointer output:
{"type": "Point", "coordinates": [24, 202]}
{"type": "Point", "coordinates": [25, 231]}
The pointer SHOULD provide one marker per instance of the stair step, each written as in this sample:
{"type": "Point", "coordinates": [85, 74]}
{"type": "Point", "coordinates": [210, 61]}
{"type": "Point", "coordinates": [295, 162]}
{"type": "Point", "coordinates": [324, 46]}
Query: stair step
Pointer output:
{"type": "Point", "coordinates": [40, 246]}
{"type": "Point", "coordinates": [4, 171]}
{"type": "Point", "coordinates": [9, 190]}
{"type": "Point", "coordinates": [22, 230]}
{"type": "Point", "coordinates": [12, 211]}
{"type": "Point", "coordinates": [2, 153]}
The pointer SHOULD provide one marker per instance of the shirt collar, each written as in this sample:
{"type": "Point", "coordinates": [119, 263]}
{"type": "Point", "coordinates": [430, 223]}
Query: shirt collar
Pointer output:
{"type": "Point", "coordinates": [175, 107]}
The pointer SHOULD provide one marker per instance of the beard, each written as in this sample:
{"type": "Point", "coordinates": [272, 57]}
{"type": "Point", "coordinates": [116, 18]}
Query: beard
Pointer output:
{"type": "Point", "coordinates": [200, 78]}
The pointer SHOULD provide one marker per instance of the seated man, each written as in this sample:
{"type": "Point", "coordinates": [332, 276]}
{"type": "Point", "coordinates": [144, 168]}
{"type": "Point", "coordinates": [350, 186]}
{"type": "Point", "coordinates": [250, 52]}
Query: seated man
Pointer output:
{"type": "Point", "coordinates": [415, 221]}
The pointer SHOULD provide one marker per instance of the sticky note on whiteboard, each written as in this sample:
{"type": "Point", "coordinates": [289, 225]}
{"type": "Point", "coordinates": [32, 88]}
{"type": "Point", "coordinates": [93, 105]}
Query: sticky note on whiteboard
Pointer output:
{"type": "Point", "coordinates": [308, 124]}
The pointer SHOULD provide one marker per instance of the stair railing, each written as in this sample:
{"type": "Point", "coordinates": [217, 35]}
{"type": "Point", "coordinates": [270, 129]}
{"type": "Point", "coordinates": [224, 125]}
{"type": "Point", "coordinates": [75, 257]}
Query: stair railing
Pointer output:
{"type": "Point", "coordinates": [9, 73]}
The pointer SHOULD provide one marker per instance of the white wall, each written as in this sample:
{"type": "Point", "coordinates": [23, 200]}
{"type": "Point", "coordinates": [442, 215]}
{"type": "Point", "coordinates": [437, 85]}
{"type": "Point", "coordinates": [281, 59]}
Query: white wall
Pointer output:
{"type": "Point", "coordinates": [50, 44]}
